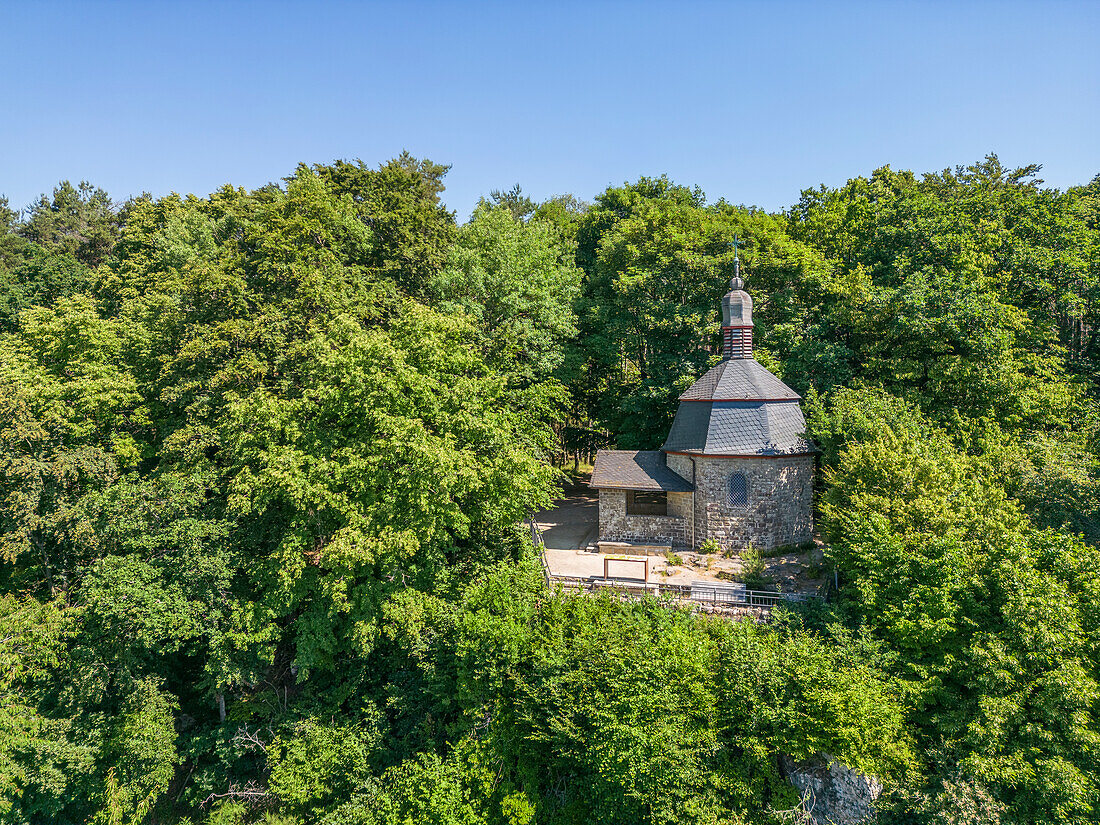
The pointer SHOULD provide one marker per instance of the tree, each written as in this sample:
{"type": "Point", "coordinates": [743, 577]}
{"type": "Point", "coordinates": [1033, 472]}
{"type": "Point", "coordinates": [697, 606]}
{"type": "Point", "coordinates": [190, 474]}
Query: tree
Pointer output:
{"type": "Point", "coordinates": [655, 262]}
{"type": "Point", "coordinates": [934, 292]}
{"type": "Point", "coordinates": [263, 455]}
{"type": "Point", "coordinates": [225, 459]}
{"type": "Point", "coordinates": [31, 274]}
{"type": "Point", "coordinates": [516, 281]}
{"type": "Point", "coordinates": [400, 203]}
{"type": "Point", "coordinates": [39, 751]}
{"type": "Point", "coordinates": [79, 220]}
{"type": "Point", "coordinates": [69, 412]}
{"type": "Point", "coordinates": [993, 620]}
{"type": "Point", "coordinates": [565, 212]}
{"type": "Point", "coordinates": [518, 204]}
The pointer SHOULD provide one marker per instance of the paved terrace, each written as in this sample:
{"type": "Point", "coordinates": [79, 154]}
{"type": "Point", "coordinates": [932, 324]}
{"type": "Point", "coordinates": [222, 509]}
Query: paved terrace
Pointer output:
{"type": "Point", "coordinates": [571, 527]}
{"type": "Point", "coordinates": [573, 523]}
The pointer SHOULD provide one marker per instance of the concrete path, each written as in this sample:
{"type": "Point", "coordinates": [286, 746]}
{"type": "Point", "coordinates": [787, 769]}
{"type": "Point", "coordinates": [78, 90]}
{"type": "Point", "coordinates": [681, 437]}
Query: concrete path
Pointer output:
{"type": "Point", "coordinates": [574, 564]}
{"type": "Point", "coordinates": [573, 523]}
{"type": "Point", "coordinates": [694, 568]}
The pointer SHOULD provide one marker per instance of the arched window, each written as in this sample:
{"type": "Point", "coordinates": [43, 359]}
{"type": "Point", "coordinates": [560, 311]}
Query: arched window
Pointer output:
{"type": "Point", "coordinates": [737, 490]}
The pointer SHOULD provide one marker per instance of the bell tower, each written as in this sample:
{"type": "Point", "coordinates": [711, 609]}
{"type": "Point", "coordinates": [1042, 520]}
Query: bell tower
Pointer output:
{"type": "Point", "coordinates": [736, 316]}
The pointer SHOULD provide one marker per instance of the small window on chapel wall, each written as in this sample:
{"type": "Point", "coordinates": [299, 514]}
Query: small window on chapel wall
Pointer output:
{"type": "Point", "coordinates": [737, 492]}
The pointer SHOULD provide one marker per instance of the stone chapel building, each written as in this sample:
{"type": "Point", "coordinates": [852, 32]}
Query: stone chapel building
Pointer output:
{"type": "Point", "coordinates": [735, 468]}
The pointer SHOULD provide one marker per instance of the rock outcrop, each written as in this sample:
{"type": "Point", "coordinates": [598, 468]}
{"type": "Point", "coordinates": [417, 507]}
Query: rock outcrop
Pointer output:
{"type": "Point", "coordinates": [832, 793]}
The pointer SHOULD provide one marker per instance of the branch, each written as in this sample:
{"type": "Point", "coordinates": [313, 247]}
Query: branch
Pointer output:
{"type": "Point", "coordinates": [250, 791]}
{"type": "Point", "coordinates": [248, 740]}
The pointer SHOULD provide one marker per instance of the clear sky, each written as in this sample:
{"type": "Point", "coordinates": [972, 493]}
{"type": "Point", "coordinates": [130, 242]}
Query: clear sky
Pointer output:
{"type": "Point", "coordinates": [752, 101]}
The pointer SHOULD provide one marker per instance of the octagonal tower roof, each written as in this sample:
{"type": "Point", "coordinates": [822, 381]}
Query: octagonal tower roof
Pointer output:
{"type": "Point", "coordinates": [738, 408]}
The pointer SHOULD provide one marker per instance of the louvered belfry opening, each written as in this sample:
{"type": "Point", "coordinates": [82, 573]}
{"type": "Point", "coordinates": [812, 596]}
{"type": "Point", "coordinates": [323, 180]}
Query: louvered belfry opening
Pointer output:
{"type": "Point", "coordinates": [737, 342]}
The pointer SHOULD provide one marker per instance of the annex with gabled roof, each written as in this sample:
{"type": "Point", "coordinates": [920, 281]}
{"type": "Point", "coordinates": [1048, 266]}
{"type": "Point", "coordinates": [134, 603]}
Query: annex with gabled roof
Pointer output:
{"type": "Point", "coordinates": [636, 470]}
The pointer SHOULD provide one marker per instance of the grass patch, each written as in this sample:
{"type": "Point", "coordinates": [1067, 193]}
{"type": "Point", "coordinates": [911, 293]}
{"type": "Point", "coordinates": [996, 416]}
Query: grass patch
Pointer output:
{"type": "Point", "coordinates": [569, 478]}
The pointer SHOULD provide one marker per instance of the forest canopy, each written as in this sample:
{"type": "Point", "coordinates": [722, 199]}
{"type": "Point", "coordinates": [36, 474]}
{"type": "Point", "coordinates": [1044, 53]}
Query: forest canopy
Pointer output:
{"type": "Point", "coordinates": [264, 454]}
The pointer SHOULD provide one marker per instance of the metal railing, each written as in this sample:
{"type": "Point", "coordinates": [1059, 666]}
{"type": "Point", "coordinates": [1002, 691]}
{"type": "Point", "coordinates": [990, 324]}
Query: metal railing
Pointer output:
{"type": "Point", "coordinates": [536, 535]}
{"type": "Point", "coordinates": [714, 593]}
{"type": "Point", "coordinates": [540, 548]}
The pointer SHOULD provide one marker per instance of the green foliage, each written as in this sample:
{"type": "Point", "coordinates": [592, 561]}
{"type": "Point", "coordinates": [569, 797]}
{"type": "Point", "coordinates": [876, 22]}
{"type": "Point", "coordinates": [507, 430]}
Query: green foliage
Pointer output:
{"type": "Point", "coordinates": [993, 618]}
{"type": "Point", "coordinates": [400, 203]}
{"type": "Point", "coordinates": [142, 754]}
{"type": "Point", "coordinates": [594, 710]}
{"type": "Point", "coordinates": [657, 261]}
{"type": "Point", "coordinates": [654, 260]}
{"type": "Point", "coordinates": [631, 713]}
{"type": "Point", "coordinates": [317, 765]}
{"type": "Point", "coordinates": [78, 220]}
{"type": "Point", "coordinates": [965, 293]}
{"type": "Point", "coordinates": [709, 547]}
{"type": "Point", "coordinates": [39, 750]}
{"type": "Point", "coordinates": [37, 277]}
{"type": "Point", "coordinates": [752, 568]}
{"type": "Point", "coordinates": [262, 455]}
{"type": "Point", "coordinates": [518, 205]}
{"type": "Point", "coordinates": [427, 788]}
{"type": "Point", "coordinates": [517, 283]}
{"type": "Point", "coordinates": [224, 458]}
{"type": "Point", "coordinates": [957, 801]}
{"type": "Point", "coordinates": [565, 212]}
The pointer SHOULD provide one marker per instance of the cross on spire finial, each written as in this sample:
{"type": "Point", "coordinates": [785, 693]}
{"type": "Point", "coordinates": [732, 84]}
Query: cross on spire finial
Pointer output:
{"type": "Point", "coordinates": [735, 281]}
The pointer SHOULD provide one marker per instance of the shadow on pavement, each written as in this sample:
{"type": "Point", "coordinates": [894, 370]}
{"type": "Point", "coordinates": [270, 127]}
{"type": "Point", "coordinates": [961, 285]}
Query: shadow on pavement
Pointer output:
{"type": "Point", "coordinates": [573, 522]}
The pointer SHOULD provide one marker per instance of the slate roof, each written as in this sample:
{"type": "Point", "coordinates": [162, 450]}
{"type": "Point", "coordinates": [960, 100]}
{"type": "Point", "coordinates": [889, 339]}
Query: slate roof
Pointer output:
{"type": "Point", "coordinates": [738, 428]}
{"type": "Point", "coordinates": [636, 470]}
{"type": "Point", "coordinates": [739, 379]}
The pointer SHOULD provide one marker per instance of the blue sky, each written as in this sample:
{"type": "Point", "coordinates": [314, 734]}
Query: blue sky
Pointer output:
{"type": "Point", "coordinates": [752, 101]}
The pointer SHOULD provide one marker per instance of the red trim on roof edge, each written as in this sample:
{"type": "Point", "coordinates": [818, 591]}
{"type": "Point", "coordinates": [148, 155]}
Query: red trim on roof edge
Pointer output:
{"type": "Point", "coordinates": [737, 455]}
{"type": "Point", "coordinates": [761, 400]}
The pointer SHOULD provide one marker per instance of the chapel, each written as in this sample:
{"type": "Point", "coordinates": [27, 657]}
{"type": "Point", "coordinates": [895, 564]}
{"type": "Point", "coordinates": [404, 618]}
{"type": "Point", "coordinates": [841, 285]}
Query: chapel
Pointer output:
{"type": "Point", "coordinates": [736, 467]}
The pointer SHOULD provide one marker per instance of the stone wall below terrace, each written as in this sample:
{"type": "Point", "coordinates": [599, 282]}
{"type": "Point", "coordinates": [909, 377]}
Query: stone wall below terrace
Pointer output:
{"type": "Point", "coordinates": [616, 525]}
{"type": "Point", "coordinates": [780, 507]}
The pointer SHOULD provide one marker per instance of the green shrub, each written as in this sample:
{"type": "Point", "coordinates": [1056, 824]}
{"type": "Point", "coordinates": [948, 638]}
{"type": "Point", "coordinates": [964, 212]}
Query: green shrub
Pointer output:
{"type": "Point", "coordinates": [709, 547]}
{"type": "Point", "coordinates": [752, 568]}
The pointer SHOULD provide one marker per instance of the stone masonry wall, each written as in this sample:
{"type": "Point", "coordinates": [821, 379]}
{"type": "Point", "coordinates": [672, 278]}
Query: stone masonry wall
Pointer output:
{"type": "Point", "coordinates": [780, 508]}
{"type": "Point", "coordinates": [616, 525]}
{"type": "Point", "coordinates": [681, 465]}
